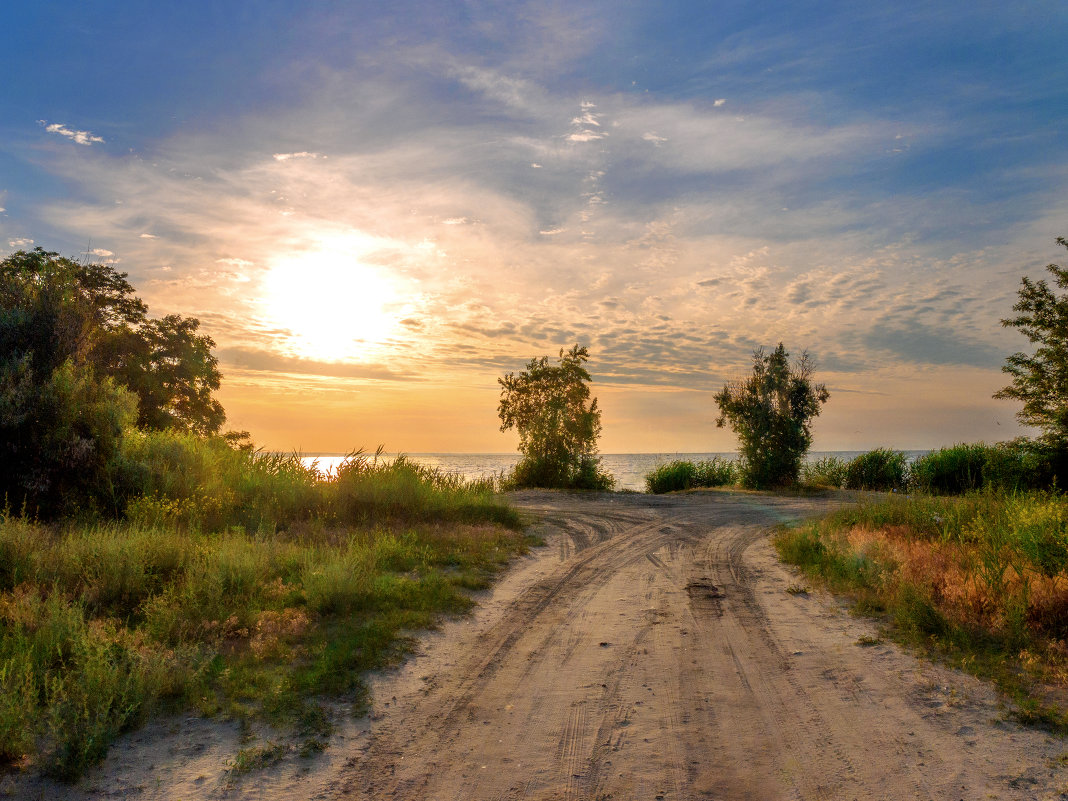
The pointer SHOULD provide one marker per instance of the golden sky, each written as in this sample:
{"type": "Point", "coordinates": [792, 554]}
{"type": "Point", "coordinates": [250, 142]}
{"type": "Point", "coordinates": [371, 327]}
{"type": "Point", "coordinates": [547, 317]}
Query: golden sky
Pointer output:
{"type": "Point", "coordinates": [377, 212]}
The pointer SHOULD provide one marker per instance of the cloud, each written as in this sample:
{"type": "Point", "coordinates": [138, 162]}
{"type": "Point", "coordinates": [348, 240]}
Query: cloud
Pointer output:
{"type": "Point", "coordinates": [20, 243]}
{"type": "Point", "coordinates": [148, 236]}
{"type": "Point", "coordinates": [304, 154]}
{"type": "Point", "coordinates": [265, 361]}
{"type": "Point", "coordinates": [81, 137]}
{"type": "Point", "coordinates": [101, 252]}
{"type": "Point", "coordinates": [719, 102]}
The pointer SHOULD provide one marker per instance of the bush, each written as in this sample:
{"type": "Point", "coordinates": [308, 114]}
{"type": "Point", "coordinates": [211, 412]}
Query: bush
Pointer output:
{"type": "Point", "coordinates": [880, 469]}
{"type": "Point", "coordinates": [1012, 466]}
{"type": "Point", "coordinates": [684, 475]}
{"type": "Point", "coordinates": [829, 471]}
{"type": "Point", "coordinates": [60, 439]}
{"type": "Point", "coordinates": [951, 471]}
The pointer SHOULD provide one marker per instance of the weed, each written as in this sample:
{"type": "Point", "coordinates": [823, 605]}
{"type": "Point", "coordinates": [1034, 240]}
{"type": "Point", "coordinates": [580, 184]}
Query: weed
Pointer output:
{"type": "Point", "coordinates": [797, 589]}
{"type": "Point", "coordinates": [256, 757]}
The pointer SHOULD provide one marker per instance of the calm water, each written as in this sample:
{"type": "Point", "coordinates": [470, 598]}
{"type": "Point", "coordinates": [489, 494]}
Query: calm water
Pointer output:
{"type": "Point", "coordinates": [628, 469]}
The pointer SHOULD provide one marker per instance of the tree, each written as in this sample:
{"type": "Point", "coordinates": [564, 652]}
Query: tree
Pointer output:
{"type": "Point", "coordinates": [771, 412]}
{"type": "Point", "coordinates": [55, 309]}
{"type": "Point", "coordinates": [558, 423]}
{"type": "Point", "coordinates": [1040, 380]}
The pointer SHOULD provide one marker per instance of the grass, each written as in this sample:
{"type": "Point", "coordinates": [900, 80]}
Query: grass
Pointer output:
{"type": "Point", "coordinates": [241, 585]}
{"type": "Point", "coordinates": [683, 475]}
{"type": "Point", "coordinates": [979, 580]}
{"type": "Point", "coordinates": [879, 469]}
{"type": "Point", "coordinates": [829, 471]}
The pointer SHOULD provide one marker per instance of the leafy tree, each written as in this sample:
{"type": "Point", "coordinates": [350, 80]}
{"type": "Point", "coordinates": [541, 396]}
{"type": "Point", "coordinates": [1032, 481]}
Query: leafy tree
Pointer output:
{"type": "Point", "coordinates": [1040, 380]}
{"type": "Point", "coordinates": [54, 309]}
{"type": "Point", "coordinates": [558, 423]}
{"type": "Point", "coordinates": [771, 412]}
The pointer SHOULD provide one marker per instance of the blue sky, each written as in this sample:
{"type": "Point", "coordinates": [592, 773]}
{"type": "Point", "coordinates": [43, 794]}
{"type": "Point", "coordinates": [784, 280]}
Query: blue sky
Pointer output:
{"type": "Point", "coordinates": [376, 209]}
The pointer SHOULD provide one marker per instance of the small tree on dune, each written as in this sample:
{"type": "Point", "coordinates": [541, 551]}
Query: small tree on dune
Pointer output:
{"type": "Point", "coordinates": [771, 412]}
{"type": "Point", "coordinates": [558, 423]}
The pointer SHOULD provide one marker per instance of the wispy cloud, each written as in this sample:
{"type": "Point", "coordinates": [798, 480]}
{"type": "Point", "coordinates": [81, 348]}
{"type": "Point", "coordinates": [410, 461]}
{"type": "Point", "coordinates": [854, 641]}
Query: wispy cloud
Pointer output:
{"type": "Point", "coordinates": [303, 154]}
{"type": "Point", "coordinates": [81, 137]}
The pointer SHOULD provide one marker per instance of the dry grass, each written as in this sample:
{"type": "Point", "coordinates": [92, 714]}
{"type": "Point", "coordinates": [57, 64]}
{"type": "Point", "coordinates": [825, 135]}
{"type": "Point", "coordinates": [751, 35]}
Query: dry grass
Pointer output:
{"type": "Point", "coordinates": [979, 580]}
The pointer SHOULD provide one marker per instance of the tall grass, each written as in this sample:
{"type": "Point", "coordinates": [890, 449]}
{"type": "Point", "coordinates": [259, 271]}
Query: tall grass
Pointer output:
{"type": "Point", "coordinates": [980, 578]}
{"type": "Point", "coordinates": [879, 469]}
{"type": "Point", "coordinates": [239, 583]}
{"type": "Point", "coordinates": [830, 471]}
{"type": "Point", "coordinates": [683, 475]}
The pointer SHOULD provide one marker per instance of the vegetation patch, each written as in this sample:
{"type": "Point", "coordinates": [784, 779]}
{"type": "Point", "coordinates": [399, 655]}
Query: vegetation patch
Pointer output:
{"type": "Point", "coordinates": [683, 475]}
{"type": "Point", "coordinates": [879, 469]}
{"type": "Point", "coordinates": [979, 580]}
{"type": "Point", "coordinates": [240, 585]}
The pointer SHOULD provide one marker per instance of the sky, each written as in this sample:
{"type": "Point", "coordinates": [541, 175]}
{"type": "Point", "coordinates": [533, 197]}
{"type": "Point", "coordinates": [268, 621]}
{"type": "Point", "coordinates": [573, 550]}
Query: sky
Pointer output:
{"type": "Point", "coordinates": [377, 209]}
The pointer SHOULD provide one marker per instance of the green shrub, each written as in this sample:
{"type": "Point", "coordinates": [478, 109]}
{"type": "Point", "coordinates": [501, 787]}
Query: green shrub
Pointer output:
{"type": "Point", "coordinates": [683, 475]}
{"type": "Point", "coordinates": [951, 471]}
{"type": "Point", "coordinates": [880, 469]}
{"type": "Point", "coordinates": [830, 471]}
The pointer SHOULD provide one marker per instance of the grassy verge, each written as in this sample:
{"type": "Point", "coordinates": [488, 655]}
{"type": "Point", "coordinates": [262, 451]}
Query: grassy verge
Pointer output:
{"type": "Point", "coordinates": [103, 624]}
{"type": "Point", "coordinates": [980, 581]}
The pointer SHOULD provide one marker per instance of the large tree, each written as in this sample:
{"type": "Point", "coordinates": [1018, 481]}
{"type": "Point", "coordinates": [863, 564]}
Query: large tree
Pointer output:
{"type": "Point", "coordinates": [1040, 379]}
{"type": "Point", "coordinates": [557, 420]}
{"type": "Point", "coordinates": [54, 309]}
{"type": "Point", "coordinates": [771, 412]}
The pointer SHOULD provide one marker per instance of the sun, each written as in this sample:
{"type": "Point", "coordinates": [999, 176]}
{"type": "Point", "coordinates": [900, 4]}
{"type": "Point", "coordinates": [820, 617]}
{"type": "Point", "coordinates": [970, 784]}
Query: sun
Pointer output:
{"type": "Point", "coordinates": [331, 304]}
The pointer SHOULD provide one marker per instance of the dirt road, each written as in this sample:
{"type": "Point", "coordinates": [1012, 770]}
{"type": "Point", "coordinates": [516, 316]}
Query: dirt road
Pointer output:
{"type": "Point", "coordinates": [650, 651]}
{"type": "Point", "coordinates": [655, 653]}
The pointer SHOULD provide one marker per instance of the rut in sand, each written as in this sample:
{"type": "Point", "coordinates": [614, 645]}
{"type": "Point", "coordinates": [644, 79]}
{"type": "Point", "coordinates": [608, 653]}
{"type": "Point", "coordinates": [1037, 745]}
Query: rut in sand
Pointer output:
{"type": "Point", "coordinates": [657, 654]}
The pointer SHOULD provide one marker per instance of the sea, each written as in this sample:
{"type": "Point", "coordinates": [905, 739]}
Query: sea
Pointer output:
{"type": "Point", "coordinates": [628, 469]}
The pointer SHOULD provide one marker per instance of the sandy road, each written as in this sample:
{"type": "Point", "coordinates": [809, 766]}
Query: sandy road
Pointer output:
{"type": "Point", "coordinates": [654, 653]}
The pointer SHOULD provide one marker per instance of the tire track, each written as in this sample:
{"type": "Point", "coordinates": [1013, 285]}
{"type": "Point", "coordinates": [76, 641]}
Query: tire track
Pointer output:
{"type": "Point", "coordinates": [659, 657]}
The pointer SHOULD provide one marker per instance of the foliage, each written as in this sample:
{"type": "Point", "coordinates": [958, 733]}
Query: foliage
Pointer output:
{"type": "Point", "coordinates": [1040, 380]}
{"type": "Point", "coordinates": [830, 471]}
{"type": "Point", "coordinates": [60, 439]}
{"type": "Point", "coordinates": [684, 475]}
{"type": "Point", "coordinates": [557, 421]}
{"type": "Point", "coordinates": [979, 578]}
{"type": "Point", "coordinates": [879, 469]}
{"type": "Point", "coordinates": [205, 483]}
{"type": "Point", "coordinates": [771, 412]}
{"type": "Point", "coordinates": [54, 310]}
{"type": "Point", "coordinates": [182, 606]}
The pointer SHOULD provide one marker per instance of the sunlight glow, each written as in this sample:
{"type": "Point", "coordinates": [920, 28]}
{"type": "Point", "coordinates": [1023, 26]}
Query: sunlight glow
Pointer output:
{"type": "Point", "coordinates": [334, 302]}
